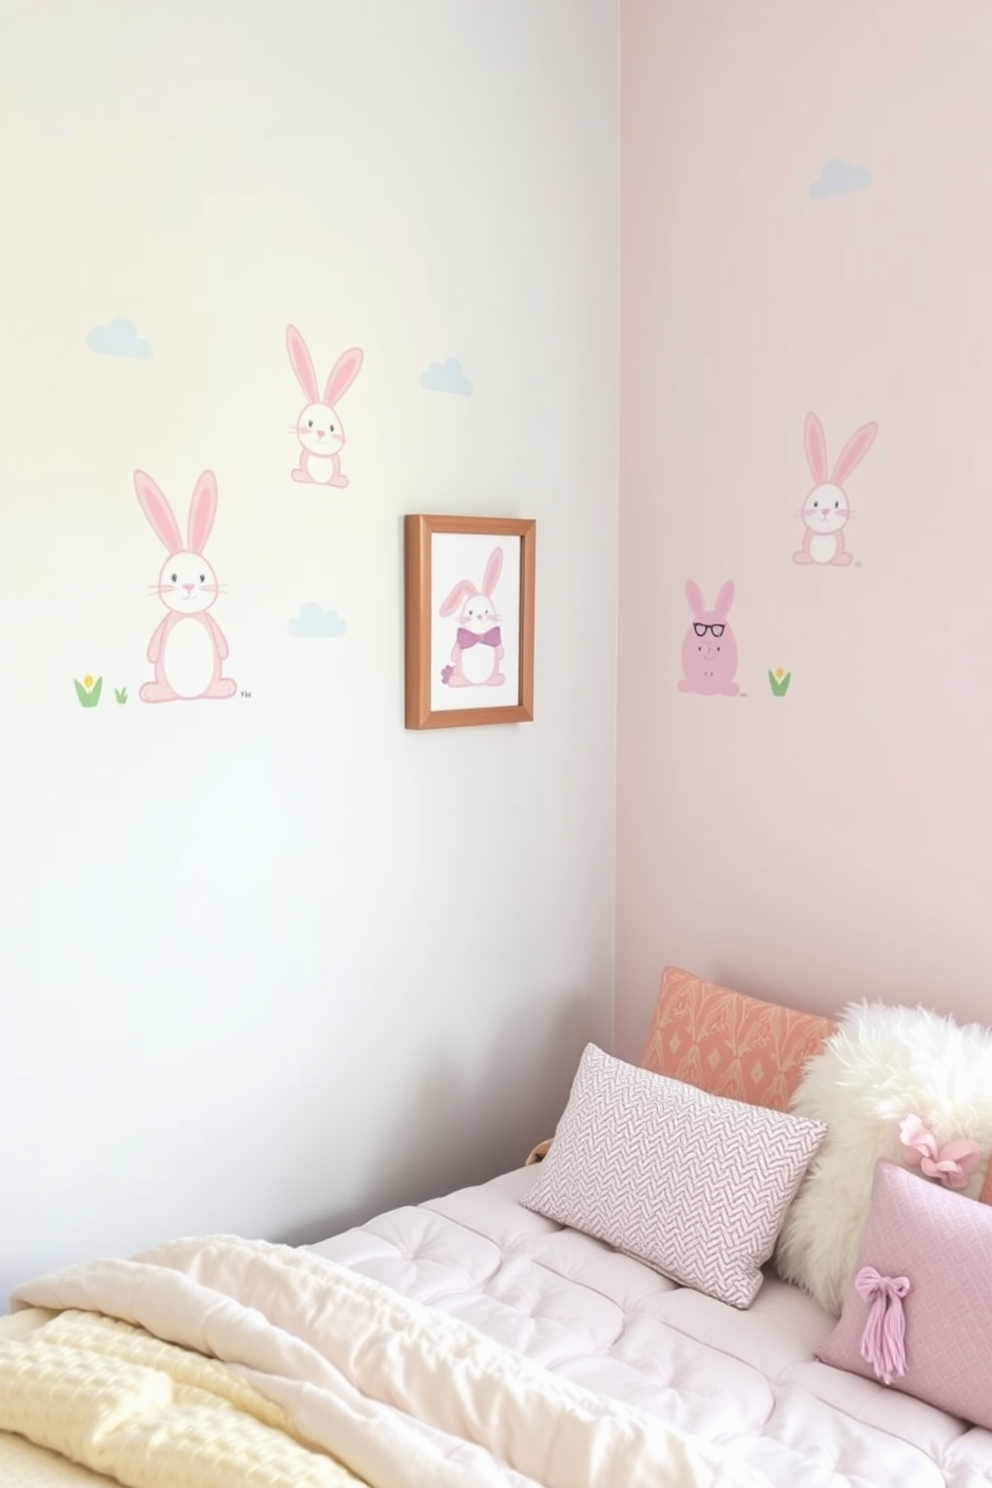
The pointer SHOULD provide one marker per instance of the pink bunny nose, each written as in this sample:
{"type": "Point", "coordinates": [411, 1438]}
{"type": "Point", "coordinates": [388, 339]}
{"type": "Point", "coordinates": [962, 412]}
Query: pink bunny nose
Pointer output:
{"type": "Point", "coordinates": [320, 433]}
{"type": "Point", "coordinates": [189, 589]}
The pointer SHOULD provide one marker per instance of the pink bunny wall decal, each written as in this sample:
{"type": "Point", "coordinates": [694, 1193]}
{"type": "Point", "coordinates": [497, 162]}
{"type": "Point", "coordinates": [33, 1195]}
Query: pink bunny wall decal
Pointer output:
{"type": "Point", "coordinates": [709, 651]}
{"type": "Point", "coordinates": [826, 509]}
{"type": "Point", "coordinates": [319, 428]}
{"type": "Point", "coordinates": [188, 648]}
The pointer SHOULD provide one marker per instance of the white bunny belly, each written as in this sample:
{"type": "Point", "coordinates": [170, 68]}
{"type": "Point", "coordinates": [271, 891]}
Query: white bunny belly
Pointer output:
{"type": "Point", "coordinates": [822, 547]}
{"type": "Point", "coordinates": [478, 662]}
{"type": "Point", "coordinates": [320, 468]}
{"type": "Point", "coordinates": [189, 657]}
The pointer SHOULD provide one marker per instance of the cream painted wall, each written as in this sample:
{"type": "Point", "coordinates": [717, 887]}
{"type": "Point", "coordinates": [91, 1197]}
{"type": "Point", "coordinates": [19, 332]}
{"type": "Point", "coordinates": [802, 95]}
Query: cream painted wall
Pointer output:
{"type": "Point", "coordinates": [269, 964]}
{"type": "Point", "coordinates": [832, 843]}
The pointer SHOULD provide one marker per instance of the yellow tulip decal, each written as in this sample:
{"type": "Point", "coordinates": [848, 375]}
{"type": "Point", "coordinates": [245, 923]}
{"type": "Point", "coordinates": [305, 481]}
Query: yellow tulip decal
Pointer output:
{"type": "Point", "coordinates": [88, 690]}
{"type": "Point", "coordinates": [779, 681]}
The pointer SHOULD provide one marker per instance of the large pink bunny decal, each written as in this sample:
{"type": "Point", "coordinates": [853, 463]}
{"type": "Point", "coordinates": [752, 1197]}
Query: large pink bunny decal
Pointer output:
{"type": "Point", "coordinates": [478, 649]}
{"type": "Point", "coordinates": [709, 651]}
{"type": "Point", "coordinates": [826, 509]}
{"type": "Point", "coordinates": [187, 649]}
{"type": "Point", "coordinates": [319, 428]}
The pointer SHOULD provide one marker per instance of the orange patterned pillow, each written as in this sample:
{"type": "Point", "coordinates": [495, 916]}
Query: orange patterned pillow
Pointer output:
{"type": "Point", "coordinates": [985, 1197]}
{"type": "Point", "coordinates": [729, 1044]}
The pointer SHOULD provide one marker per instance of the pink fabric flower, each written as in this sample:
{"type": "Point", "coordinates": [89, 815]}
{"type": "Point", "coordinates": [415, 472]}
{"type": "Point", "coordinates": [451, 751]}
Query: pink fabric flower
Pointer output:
{"type": "Point", "coordinates": [950, 1165]}
{"type": "Point", "coordinates": [883, 1343]}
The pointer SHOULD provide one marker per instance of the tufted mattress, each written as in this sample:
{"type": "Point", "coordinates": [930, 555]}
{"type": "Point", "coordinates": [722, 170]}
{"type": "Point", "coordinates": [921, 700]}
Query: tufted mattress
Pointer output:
{"type": "Point", "coordinates": [611, 1324]}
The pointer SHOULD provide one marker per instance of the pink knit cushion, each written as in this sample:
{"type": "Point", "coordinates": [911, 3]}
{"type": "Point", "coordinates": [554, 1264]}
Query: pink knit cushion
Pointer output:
{"type": "Point", "coordinates": [690, 1183]}
{"type": "Point", "coordinates": [940, 1242]}
{"type": "Point", "coordinates": [728, 1043]}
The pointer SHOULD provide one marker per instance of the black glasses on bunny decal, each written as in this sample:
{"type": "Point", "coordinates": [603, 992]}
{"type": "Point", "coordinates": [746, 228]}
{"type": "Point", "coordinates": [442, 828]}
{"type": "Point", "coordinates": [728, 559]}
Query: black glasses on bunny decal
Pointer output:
{"type": "Point", "coordinates": [716, 630]}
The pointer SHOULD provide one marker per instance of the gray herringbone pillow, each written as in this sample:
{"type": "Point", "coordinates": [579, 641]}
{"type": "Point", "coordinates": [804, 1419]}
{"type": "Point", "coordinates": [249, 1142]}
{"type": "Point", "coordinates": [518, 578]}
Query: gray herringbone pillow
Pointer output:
{"type": "Point", "coordinates": [694, 1185]}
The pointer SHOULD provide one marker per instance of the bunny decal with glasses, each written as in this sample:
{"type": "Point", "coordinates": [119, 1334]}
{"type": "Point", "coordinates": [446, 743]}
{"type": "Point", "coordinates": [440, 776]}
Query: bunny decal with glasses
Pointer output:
{"type": "Point", "coordinates": [709, 651]}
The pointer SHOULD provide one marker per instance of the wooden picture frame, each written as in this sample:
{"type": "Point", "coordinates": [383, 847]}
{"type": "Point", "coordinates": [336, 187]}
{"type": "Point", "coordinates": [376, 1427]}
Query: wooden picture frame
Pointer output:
{"type": "Point", "coordinates": [469, 620]}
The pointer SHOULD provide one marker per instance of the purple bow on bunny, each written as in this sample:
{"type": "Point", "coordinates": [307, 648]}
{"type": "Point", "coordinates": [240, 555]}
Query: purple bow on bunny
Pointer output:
{"type": "Point", "coordinates": [466, 638]}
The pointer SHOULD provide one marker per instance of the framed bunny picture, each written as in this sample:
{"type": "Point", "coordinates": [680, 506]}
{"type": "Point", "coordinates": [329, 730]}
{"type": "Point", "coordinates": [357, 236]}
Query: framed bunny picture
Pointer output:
{"type": "Point", "coordinates": [469, 621]}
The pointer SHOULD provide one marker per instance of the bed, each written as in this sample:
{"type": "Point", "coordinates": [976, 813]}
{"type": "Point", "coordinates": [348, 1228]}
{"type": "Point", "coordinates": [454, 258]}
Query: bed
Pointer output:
{"type": "Point", "coordinates": [474, 1339]}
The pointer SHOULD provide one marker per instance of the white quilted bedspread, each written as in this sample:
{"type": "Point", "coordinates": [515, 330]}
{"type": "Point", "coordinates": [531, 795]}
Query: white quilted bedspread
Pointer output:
{"type": "Point", "coordinates": [606, 1322]}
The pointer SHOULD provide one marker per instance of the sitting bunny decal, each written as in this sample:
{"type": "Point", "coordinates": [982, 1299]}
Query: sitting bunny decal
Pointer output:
{"type": "Point", "coordinates": [319, 428]}
{"type": "Point", "coordinates": [826, 509]}
{"type": "Point", "coordinates": [188, 649]}
{"type": "Point", "coordinates": [478, 649]}
{"type": "Point", "coordinates": [709, 651]}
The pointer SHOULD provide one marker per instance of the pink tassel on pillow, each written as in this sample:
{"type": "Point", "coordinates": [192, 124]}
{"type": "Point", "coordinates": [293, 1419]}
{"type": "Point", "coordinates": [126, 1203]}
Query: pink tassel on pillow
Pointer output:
{"type": "Point", "coordinates": [951, 1164]}
{"type": "Point", "coordinates": [883, 1343]}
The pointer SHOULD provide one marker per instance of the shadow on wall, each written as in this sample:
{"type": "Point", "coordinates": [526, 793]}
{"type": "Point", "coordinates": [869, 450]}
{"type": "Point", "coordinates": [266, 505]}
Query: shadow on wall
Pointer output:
{"type": "Point", "coordinates": [450, 1129]}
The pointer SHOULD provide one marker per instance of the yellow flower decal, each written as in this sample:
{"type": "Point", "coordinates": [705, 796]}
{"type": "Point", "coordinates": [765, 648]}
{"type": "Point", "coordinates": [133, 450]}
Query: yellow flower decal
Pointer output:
{"type": "Point", "coordinates": [88, 690]}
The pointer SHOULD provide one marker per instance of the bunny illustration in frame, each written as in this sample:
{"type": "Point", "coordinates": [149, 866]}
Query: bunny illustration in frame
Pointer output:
{"type": "Point", "coordinates": [469, 621]}
{"type": "Point", "coordinates": [188, 649]}
{"type": "Point", "coordinates": [478, 647]}
{"type": "Point", "coordinates": [319, 428]}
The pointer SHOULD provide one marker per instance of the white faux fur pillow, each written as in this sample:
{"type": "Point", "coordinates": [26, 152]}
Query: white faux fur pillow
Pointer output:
{"type": "Point", "coordinates": [882, 1064]}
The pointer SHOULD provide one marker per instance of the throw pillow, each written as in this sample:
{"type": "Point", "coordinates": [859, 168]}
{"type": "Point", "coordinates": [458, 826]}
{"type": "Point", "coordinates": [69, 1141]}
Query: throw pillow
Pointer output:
{"type": "Point", "coordinates": [692, 1184]}
{"type": "Point", "coordinates": [728, 1043]}
{"type": "Point", "coordinates": [921, 1305]}
{"type": "Point", "coordinates": [882, 1065]}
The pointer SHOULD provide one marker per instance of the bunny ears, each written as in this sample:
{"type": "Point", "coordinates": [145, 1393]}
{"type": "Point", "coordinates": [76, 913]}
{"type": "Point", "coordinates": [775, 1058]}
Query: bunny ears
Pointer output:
{"type": "Point", "coordinates": [697, 603]}
{"type": "Point", "coordinates": [202, 510]}
{"type": "Point", "coordinates": [343, 373]}
{"type": "Point", "coordinates": [465, 589]}
{"type": "Point", "coordinates": [854, 451]}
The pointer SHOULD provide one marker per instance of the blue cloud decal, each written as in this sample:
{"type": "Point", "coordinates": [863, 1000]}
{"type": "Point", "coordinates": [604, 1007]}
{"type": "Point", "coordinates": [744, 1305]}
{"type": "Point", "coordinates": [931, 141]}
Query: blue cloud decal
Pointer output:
{"type": "Point", "coordinates": [314, 621]}
{"type": "Point", "coordinates": [446, 377]}
{"type": "Point", "coordinates": [119, 338]}
{"type": "Point", "coordinates": [837, 176]}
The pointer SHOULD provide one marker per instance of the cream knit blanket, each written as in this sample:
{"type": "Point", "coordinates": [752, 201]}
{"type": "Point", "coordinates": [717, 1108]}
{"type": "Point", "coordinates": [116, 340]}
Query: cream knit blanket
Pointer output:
{"type": "Point", "coordinates": [114, 1399]}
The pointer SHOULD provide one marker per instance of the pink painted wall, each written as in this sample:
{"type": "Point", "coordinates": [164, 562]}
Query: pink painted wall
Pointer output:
{"type": "Point", "coordinates": [837, 841]}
